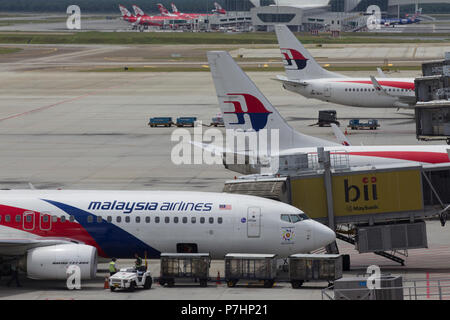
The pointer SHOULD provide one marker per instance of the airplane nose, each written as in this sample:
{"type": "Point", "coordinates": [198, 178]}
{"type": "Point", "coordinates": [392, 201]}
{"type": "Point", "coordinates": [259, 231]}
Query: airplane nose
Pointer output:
{"type": "Point", "coordinates": [323, 235]}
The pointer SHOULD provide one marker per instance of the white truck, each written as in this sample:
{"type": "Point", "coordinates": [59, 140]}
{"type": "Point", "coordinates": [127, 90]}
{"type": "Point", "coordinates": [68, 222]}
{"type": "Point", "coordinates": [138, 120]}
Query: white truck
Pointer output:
{"type": "Point", "coordinates": [130, 279]}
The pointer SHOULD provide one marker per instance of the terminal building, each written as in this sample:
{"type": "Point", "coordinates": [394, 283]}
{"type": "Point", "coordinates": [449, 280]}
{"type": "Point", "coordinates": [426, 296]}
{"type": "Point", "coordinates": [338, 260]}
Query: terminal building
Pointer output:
{"type": "Point", "coordinates": [303, 15]}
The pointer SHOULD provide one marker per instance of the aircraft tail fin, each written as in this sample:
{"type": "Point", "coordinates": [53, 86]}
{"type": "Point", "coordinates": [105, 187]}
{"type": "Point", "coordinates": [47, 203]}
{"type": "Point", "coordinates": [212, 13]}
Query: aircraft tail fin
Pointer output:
{"type": "Point", "coordinates": [174, 8]}
{"type": "Point", "coordinates": [138, 11]}
{"type": "Point", "coordinates": [162, 10]}
{"type": "Point", "coordinates": [298, 62]}
{"type": "Point", "coordinates": [124, 11]}
{"type": "Point", "coordinates": [245, 108]}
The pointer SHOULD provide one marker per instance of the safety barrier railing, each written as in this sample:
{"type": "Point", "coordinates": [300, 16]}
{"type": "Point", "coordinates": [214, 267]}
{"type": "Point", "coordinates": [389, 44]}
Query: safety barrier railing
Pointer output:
{"type": "Point", "coordinates": [433, 289]}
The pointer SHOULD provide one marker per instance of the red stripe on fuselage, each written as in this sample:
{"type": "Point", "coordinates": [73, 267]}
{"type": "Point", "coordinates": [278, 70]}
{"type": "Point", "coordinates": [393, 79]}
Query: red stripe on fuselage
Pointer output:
{"type": "Point", "coordinates": [417, 156]}
{"type": "Point", "coordinates": [58, 229]}
{"type": "Point", "coordinates": [394, 84]}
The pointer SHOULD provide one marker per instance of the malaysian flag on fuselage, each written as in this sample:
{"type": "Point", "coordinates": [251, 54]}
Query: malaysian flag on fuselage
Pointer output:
{"type": "Point", "coordinates": [225, 206]}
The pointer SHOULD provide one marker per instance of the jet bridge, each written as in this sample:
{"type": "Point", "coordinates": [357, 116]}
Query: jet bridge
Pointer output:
{"type": "Point", "coordinates": [379, 209]}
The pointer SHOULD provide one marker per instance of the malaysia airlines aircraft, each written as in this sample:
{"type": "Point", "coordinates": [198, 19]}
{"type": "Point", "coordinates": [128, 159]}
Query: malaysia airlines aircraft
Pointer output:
{"type": "Point", "coordinates": [246, 109]}
{"type": "Point", "coordinates": [48, 230]}
{"type": "Point", "coordinates": [306, 77]}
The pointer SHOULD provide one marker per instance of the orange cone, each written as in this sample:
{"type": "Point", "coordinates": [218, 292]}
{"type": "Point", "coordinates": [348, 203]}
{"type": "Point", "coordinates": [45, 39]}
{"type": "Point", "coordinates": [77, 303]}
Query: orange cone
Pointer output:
{"type": "Point", "coordinates": [106, 285]}
{"type": "Point", "coordinates": [218, 278]}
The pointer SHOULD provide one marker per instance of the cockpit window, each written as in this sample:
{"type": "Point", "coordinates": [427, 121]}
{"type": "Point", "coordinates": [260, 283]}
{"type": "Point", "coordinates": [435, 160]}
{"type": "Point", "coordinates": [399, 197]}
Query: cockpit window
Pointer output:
{"type": "Point", "coordinates": [294, 218]}
{"type": "Point", "coordinates": [298, 217]}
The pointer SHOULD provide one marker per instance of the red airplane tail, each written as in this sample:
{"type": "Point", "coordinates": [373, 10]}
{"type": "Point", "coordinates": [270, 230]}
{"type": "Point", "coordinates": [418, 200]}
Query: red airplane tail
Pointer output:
{"type": "Point", "coordinates": [174, 8]}
{"type": "Point", "coordinates": [163, 10]}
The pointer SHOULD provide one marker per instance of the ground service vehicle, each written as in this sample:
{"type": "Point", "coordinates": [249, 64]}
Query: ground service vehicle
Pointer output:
{"type": "Point", "coordinates": [130, 279]}
{"type": "Point", "coordinates": [160, 121]}
{"type": "Point", "coordinates": [186, 121]}
{"type": "Point", "coordinates": [371, 124]}
{"type": "Point", "coordinates": [327, 117]}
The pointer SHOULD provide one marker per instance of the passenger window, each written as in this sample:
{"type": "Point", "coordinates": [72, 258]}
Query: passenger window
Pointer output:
{"type": "Point", "coordinates": [71, 218]}
{"type": "Point", "coordinates": [55, 218]}
{"type": "Point", "coordinates": [127, 219]}
{"type": "Point", "coordinates": [156, 219]}
{"type": "Point", "coordinates": [29, 218]}
{"type": "Point", "coordinates": [7, 218]}
{"type": "Point", "coordinates": [193, 220]}
{"type": "Point", "coordinates": [202, 220]}
{"type": "Point", "coordinates": [147, 219]}
{"type": "Point", "coordinates": [285, 217]}
{"type": "Point", "coordinates": [90, 219]}
{"type": "Point", "coordinates": [138, 219]}
{"type": "Point", "coordinates": [166, 219]}
{"type": "Point", "coordinates": [0, 218]}
{"type": "Point", "coordinates": [119, 219]}
{"type": "Point", "coordinates": [184, 219]}
{"type": "Point", "coordinates": [219, 220]}
{"type": "Point", "coordinates": [63, 218]}
{"type": "Point", "coordinates": [109, 219]}
{"type": "Point", "coordinates": [18, 218]}
{"type": "Point", "coordinates": [99, 219]}
{"type": "Point", "coordinates": [45, 219]}
{"type": "Point", "coordinates": [211, 220]}
{"type": "Point", "coordinates": [175, 220]}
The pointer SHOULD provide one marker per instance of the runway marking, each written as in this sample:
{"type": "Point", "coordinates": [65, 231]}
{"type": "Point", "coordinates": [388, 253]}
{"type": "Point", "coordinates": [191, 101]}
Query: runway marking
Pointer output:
{"type": "Point", "coordinates": [61, 102]}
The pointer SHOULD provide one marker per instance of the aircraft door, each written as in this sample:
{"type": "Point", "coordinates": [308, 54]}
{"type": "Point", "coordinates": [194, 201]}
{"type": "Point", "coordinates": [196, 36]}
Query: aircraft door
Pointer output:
{"type": "Point", "coordinates": [327, 91]}
{"type": "Point", "coordinates": [254, 222]}
{"type": "Point", "coordinates": [45, 221]}
{"type": "Point", "coordinates": [28, 220]}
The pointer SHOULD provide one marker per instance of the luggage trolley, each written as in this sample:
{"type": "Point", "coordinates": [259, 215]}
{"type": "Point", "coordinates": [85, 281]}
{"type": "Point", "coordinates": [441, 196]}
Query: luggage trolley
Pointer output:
{"type": "Point", "coordinates": [240, 266]}
{"type": "Point", "coordinates": [184, 265]}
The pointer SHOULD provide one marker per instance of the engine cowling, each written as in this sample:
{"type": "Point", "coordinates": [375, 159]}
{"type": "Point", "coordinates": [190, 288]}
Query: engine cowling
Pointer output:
{"type": "Point", "coordinates": [51, 263]}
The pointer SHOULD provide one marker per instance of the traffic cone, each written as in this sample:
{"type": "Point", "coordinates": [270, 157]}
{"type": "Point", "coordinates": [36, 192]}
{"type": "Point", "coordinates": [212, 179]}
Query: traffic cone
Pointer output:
{"type": "Point", "coordinates": [218, 278]}
{"type": "Point", "coordinates": [106, 285]}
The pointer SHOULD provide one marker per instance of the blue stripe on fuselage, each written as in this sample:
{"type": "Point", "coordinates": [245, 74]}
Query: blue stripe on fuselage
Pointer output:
{"type": "Point", "coordinates": [114, 241]}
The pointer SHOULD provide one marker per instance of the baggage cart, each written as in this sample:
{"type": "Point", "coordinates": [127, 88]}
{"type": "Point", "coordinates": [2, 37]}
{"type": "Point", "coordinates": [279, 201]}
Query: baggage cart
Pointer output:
{"type": "Point", "coordinates": [307, 267]}
{"type": "Point", "coordinates": [184, 265]}
{"type": "Point", "coordinates": [356, 124]}
{"type": "Point", "coordinates": [160, 121]}
{"type": "Point", "coordinates": [186, 121]}
{"type": "Point", "coordinates": [262, 267]}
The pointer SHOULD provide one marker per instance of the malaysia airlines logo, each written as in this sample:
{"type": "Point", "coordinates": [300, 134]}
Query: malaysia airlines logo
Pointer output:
{"type": "Point", "coordinates": [255, 110]}
{"type": "Point", "coordinates": [293, 59]}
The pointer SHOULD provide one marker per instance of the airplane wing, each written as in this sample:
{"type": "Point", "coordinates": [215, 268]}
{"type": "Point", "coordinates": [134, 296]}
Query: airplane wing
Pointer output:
{"type": "Point", "coordinates": [342, 139]}
{"type": "Point", "coordinates": [284, 79]}
{"type": "Point", "coordinates": [16, 247]}
{"type": "Point", "coordinates": [403, 101]}
{"type": "Point", "coordinates": [381, 73]}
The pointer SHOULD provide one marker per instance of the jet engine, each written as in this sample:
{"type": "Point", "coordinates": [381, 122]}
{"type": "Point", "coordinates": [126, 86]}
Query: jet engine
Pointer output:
{"type": "Point", "coordinates": [52, 262]}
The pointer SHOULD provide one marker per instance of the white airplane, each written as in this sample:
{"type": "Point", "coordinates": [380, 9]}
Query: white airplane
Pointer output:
{"type": "Point", "coordinates": [246, 109]}
{"type": "Point", "coordinates": [306, 77]}
{"type": "Point", "coordinates": [46, 231]}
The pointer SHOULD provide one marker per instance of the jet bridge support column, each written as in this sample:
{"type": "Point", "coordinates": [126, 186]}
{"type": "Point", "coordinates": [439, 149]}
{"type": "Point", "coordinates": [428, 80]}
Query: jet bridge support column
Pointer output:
{"type": "Point", "coordinates": [325, 160]}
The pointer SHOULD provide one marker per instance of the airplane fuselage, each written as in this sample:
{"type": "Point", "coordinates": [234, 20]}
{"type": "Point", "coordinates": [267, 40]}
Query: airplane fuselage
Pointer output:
{"type": "Point", "coordinates": [121, 223]}
{"type": "Point", "coordinates": [357, 92]}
